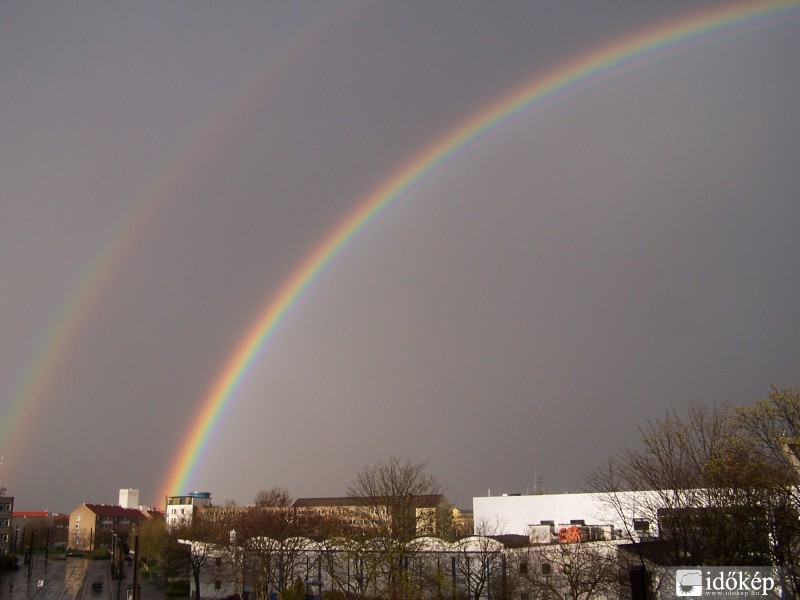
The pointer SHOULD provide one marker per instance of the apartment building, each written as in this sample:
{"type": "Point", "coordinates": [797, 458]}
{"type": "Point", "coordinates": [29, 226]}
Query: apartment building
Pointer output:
{"type": "Point", "coordinates": [93, 525]}
{"type": "Point", "coordinates": [181, 509]}
{"type": "Point", "coordinates": [414, 515]}
{"type": "Point", "coordinates": [6, 511]}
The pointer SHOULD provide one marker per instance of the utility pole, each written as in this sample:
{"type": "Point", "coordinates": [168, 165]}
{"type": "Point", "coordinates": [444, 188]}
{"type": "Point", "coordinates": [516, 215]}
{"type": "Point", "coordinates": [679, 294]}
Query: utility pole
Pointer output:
{"type": "Point", "coordinates": [46, 549]}
{"type": "Point", "coordinates": [30, 554]}
{"type": "Point", "coordinates": [136, 568]}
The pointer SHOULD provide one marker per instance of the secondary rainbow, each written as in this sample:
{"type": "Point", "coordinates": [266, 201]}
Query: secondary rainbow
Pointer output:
{"type": "Point", "coordinates": [69, 323]}
{"type": "Point", "coordinates": [565, 77]}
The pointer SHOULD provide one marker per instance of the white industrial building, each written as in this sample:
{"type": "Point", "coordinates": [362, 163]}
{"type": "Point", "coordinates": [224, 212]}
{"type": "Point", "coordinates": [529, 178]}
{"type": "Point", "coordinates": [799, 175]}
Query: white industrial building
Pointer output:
{"type": "Point", "coordinates": [516, 514]}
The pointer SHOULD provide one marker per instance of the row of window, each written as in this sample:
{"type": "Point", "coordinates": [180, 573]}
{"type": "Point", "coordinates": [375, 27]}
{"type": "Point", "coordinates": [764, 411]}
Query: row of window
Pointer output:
{"type": "Point", "coordinates": [546, 568]}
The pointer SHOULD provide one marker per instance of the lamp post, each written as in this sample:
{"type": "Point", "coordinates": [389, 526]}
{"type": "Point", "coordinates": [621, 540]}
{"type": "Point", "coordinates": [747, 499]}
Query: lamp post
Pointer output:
{"type": "Point", "coordinates": [233, 539]}
{"type": "Point", "coordinates": [136, 568]}
{"type": "Point", "coordinates": [30, 553]}
{"type": "Point", "coordinates": [113, 554]}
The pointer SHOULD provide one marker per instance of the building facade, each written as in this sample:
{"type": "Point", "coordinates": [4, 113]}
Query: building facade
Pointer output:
{"type": "Point", "coordinates": [93, 525]}
{"type": "Point", "coordinates": [181, 509]}
{"type": "Point", "coordinates": [32, 527]}
{"type": "Point", "coordinates": [415, 515]}
{"type": "Point", "coordinates": [6, 512]}
{"type": "Point", "coordinates": [522, 514]}
{"type": "Point", "coordinates": [129, 498]}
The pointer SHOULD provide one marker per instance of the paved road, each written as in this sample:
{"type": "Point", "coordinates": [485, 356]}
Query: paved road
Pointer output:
{"type": "Point", "coordinates": [52, 580]}
{"type": "Point", "coordinates": [69, 579]}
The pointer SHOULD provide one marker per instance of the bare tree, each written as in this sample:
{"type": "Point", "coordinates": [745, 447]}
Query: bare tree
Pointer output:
{"type": "Point", "coordinates": [205, 534]}
{"type": "Point", "coordinates": [276, 496]}
{"type": "Point", "coordinates": [390, 492]}
{"type": "Point", "coordinates": [705, 484]}
{"type": "Point", "coordinates": [579, 571]}
{"type": "Point", "coordinates": [479, 564]}
{"type": "Point", "coordinates": [394, 497]}
{"type": "Point", "coordinates": [270, 543]}
{"type": "Point", "coordinates": [772, 425]}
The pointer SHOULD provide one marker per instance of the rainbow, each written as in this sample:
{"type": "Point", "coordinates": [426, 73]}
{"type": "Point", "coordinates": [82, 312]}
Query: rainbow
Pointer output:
{"type": "Point", "coordinates": [87, 295]}
{"type": "Point", "coordinates": [626, 51]}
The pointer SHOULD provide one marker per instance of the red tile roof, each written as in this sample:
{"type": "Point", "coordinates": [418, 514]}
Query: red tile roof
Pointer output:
{"type": "Point", "coordinates": [111, 510]}
{"type": "Point", "coordinates": [25, 514]}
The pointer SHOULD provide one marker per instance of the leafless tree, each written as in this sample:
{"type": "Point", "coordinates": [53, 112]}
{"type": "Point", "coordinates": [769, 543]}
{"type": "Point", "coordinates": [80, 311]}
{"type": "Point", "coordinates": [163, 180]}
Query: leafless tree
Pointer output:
{"type": "Point", "coordinates": [479, 564]}
{"type": "Point", "coordinates": [579, 571]}
{"type": "Point", "coordinates": [270, 543]}
{"type": "Point", "coordinates": [772, 425]}
{"type": "Point", "coordinates": [389, 496]}
{"type": "Point", "coordinates": [703, 482]}
{"type": "Point", "coordinates": [389, 493]}
{"type": "Point", "coordinates": [206, 535]}
{"type": "Point", "coordinates": [276, 496]}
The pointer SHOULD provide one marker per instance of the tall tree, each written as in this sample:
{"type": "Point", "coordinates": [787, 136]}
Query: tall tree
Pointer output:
{"type": "Point", "coordinates": [391, 495]}
{"type": "Point", "coordinates": [270, 544]}
{"type": "Point", "coordinates": [772, 425]}
{"type": "Point", "coordinates": [276, 496]}
{"type": "Point", "coordinates": [204, 535]}
{"type": "Point", "coordinates": [578, 571]}
{"type": "Point", "coordinates": [703, 484]}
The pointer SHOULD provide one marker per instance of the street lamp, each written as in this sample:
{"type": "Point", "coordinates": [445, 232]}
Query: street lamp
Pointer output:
{"type": "Point", "coordinates": [30, 553]}
{"type": "Point", "coordinates": [113, 554]}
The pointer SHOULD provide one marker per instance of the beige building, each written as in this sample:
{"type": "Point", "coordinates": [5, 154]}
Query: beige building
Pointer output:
{"type": "Point", "coordinates": [93, 525]}
{"type": "Point", "coordinates": [419, 515]}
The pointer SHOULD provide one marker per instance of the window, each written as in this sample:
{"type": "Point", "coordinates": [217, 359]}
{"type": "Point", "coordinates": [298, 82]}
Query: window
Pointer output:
{"type": "Point", "coordinates": [547, 522]}
{"type": "Point", "coordinates": [3, 537]}
{"type": "Point", "coordinates": [641, 524]}
{"type": "Point", "coordinates": [78, 518]}
{"type": "Point", "coordinates": [523, 568]}
{"type": "Point", "coordinates": [5, 507]}
{"type": "Point", "coordinates": [546, 569]}
{"type": "Point", "coordinates": [217, 584]}
{"type": "Point", "coordinates": [577, 522]}
{"type": "Point", "coordinates": [4, 522]}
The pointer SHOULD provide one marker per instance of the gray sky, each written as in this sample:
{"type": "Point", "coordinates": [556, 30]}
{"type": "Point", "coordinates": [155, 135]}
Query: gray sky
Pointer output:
{"type": "Point", "coordinates": [512, 317]}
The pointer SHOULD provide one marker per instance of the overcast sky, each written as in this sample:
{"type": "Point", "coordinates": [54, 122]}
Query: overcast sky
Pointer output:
{"type": "Point", "coordinates": [511, 319]}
